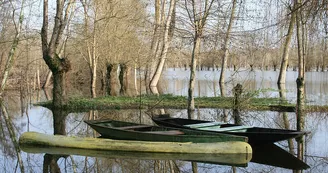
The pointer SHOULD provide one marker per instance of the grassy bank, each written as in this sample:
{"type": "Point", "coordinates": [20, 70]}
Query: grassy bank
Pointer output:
{"type": "Point", "coordinates": [173, 102]}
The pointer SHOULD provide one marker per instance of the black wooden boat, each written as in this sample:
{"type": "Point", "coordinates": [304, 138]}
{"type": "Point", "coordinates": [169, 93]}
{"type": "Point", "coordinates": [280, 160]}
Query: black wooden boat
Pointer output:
{"type": "Point", "coordinates": [256, 135]}
{"type": "Point", "coordinates": [141, 132]}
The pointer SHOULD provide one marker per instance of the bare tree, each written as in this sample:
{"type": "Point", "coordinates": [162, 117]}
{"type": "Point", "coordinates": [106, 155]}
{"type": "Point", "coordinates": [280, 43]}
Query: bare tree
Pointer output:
{"type": "Point", "coordinates": [58, 65]}
{"type": "Point", "coordinates": [154, 46]}
{"type": "Point", "coordinates": [197, 15]}
{"type": "Point", "coordinates": [226, 42]}
{"type": "Point", "coordinates": [90, 43]}
{"type": "Point", "coordinates": [300, 79]}
{"type": "Point", "coordinates": [285, 55]}
{"type": "Point", "coordinates": [11, 55]}
{"type": "Point", "coordinates": [166, 44]}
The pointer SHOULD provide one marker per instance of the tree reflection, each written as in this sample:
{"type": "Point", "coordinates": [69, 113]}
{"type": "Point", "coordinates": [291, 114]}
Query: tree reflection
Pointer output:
{"type": "Point", "coordinates": [50, 163]}
{"type": "Point", "coordinates": [223, 94]}
{"type": "Point", "coordinates": [59, 123]}
{"type": "Point", "coordinates": [282, 94]}
{"type": "Point", "coordinates": [12, 134]}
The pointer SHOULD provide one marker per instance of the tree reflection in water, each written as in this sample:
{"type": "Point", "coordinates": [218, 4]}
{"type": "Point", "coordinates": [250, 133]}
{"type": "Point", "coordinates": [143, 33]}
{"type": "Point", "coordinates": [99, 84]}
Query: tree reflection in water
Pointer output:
{"type": "Point", "coordinates": [11, 130]}
{"type": "Point", "coordinates": [50, 162]}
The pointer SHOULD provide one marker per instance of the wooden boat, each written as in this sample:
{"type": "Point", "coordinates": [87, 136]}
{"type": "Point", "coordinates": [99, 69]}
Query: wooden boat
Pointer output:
{"type": "Point", "coordinates": [34, 139]}
{"type": "Point", "coordinates": [256, 135]}
{"type": "Point", "coordinates": [141, 132]}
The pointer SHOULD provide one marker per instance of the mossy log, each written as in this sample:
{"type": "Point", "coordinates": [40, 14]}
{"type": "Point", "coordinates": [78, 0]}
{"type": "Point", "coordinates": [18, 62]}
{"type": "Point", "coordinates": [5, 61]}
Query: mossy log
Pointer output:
{"type": "Point", "coordinates": [239, 160]}
{"type": "Point", "coordinates": [39, 139]}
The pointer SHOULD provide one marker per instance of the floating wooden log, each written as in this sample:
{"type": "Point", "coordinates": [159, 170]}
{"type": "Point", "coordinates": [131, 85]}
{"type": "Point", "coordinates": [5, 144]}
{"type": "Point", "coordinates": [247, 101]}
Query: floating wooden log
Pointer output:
{"type": "Point", "coordinates": [40, 139]}
{"type": "Point", "coordinates": [239, 160]}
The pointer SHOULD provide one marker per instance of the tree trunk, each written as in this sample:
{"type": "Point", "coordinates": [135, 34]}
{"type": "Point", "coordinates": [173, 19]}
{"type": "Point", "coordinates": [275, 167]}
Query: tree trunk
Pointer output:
{"type": "Point", "coordinates": [59, 90]}
{"type": "Point", "coordinates": [284, 61]}
{"type": "Point", "coordinates": [154, 47]}
{"type": "Point", "coordinates": [198, 21]}
{"type": "Point", "coordinates": [300, 44]}
{"type": "Point", "coordinates": [325, 46]}
{"type": "Point", "coordinates": [91, 48]}
{"type": "Point", "coordinates": [222, 89]}
{"type": "Point", "coordinates": [300, 115]}
{"type": "Point", "coordinates": [125, 80]}
{"type": "Point", "coordinates": [9, 64]}
{"type": "Point", "coordinates": [324, 54]}
{"type": "Point", "coordinates": [166, 44]}
{"type": "Point", "coordinates": [129, 81]}
{"type": "Point", "coordinates": [48, 80]}
{"type": "Point", "coordinates": [300, 80]}
{"type": "Point", "coordinates": [38, 83]}
{"type": "Point", "coordinates": [93, 82]}
{"type": "Point", "coordinates": [225, 44]}
{"type": "Point", "coordinates": [121, 79]}
{"type": "Point", "coordinates": [102, 80]}
{"type": "Point", "coordinates": [108, 79]}
{"type": "Point", "coordinates": [136, 80]}
{"type": "Point", "coordinates": [191, 100]}
{"type": "Point", "coordinates": [237, 90]}
{"type": "Point", "coordinates": [114, 81]}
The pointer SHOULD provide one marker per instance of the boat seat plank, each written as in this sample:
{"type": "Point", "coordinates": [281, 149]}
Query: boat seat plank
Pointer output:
{"type": "Point", "coordinates": [133, 127]}
{"type": "Point", "coordinates": [233, 128]}
{"type": "Point", "coordinates": [168, 132]}
{"type": "Point", "coordinates": [203, 125]}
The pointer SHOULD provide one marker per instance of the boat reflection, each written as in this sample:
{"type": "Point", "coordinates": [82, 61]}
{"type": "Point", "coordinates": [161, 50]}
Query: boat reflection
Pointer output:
{"type": "Point", "coordinates": [271, 154]}
{"type": "Point", "coordinates": [239, 160]}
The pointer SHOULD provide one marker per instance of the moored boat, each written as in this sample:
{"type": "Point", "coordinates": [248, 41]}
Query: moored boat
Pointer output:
{"type": "Point", "coordinates": [141, 132]}
{"type": "Point", "coordinates": [256, 135]}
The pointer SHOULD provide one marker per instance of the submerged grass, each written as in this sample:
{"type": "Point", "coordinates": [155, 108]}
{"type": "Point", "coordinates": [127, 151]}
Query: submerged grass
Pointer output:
{"type": "Point", "coordinates": [173, 102]}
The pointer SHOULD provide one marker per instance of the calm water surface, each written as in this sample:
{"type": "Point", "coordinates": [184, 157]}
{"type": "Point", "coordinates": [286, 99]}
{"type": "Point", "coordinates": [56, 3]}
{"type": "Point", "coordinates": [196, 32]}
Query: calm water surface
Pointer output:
{"type": "Point", "coordinates": [34, 118]}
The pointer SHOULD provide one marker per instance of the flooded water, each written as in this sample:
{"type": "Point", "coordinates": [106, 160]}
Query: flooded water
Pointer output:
{"type": "Point", "coordinates": [24, 117]}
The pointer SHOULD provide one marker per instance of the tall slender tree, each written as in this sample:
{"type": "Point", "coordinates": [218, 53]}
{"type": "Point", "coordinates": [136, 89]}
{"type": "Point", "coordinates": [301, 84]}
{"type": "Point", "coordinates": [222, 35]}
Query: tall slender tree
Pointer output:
{"type": "Point", "coordinates": [90, 43]}
{"type": "Point", "coordinates": [166, 43]}
{"type": "Point", "coordinates": [226, 42]}
{"type": "Point", "coordinates": [197, 15]}
{"type": "Point", "coordinates": [286, 48]}
{"type": "Point", "coordinates": [154, 47]}
{"type": "Point", "coordinates": [300, 79]}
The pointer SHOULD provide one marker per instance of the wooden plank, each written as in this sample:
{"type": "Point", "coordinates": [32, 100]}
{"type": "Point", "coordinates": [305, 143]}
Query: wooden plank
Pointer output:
{"type": "Point", "coordinates": [39, 139]}
{"type": "Point", "coordinates": [204, 124]}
